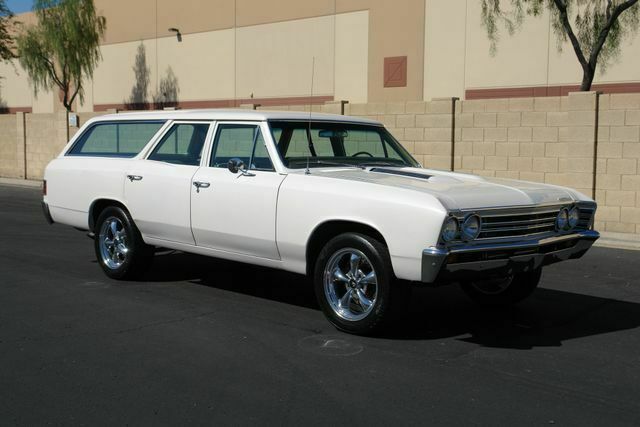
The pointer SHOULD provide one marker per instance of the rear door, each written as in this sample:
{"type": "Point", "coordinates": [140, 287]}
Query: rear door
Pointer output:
{"type": "Point", "coordinates": [158, 188]}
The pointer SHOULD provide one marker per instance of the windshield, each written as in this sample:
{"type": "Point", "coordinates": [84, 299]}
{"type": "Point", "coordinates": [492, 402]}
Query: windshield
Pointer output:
{"type": "Point", "coordinates": [322, 144]}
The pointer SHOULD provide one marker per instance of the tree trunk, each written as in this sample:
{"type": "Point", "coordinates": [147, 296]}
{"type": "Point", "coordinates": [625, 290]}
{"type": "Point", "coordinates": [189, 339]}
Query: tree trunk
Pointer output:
{"type": "Point", "coordinates": [587, 79]}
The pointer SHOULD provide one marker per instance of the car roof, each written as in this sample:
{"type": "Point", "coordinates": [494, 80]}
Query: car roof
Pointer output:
{"type": "Point", "coordinates": [233, 114]}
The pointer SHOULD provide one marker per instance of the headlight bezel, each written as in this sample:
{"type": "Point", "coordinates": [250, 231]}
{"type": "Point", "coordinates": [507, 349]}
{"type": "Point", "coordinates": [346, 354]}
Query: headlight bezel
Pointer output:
{"type": "Point", "coordinates": [562, 220]}
{"type": "Point", "coordinates": [573, 220]}
{"type": "Point", "coordinates": [451, 220]}
{"type": "Point", "coordinates": [466, 236]}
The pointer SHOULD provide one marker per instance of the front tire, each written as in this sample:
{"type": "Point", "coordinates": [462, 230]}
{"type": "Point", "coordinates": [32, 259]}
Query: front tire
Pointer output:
{"type": "Point", "coordinates": [355, 285]}
{"type": "Point", "coordinates": [119, 247]}
{"type": "Point", "coordinates": [503, 291]}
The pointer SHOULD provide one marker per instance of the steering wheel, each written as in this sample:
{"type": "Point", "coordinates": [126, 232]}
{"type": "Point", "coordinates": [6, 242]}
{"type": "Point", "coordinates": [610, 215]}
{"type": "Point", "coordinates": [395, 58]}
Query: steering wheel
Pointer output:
{"type": "Point", "coordinates": [362, 152]}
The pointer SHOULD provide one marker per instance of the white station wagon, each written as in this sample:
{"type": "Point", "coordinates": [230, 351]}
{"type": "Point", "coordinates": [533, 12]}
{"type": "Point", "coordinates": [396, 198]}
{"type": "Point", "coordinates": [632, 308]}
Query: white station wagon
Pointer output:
{"type": "Point", "coordinates": [333, 197]}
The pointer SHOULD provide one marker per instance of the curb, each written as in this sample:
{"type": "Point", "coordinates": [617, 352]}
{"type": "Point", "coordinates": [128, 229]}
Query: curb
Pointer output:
{"type": "Point", "coordinates": [618, 241]}
{"type": "Point", "coordinates": [21, 182]}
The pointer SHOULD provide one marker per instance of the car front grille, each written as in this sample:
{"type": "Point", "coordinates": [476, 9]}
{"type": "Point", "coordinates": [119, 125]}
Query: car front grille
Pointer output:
{"type": "Point", "coordinates": [530, 221]}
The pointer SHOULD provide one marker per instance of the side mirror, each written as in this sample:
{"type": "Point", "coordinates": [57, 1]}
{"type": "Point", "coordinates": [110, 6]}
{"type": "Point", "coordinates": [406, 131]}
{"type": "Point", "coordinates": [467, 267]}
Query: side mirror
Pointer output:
{"type": "Point", "coordinates": [235, 165]}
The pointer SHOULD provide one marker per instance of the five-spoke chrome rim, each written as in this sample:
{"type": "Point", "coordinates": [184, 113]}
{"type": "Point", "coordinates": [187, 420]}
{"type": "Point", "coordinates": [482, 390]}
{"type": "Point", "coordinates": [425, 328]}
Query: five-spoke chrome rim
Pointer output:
{"type": "Point", "coordinates": [113, 243]}
{"type": "Point", "coordinates": [350, 284]}
{"type": "Point", "coordinates": [493, 286]}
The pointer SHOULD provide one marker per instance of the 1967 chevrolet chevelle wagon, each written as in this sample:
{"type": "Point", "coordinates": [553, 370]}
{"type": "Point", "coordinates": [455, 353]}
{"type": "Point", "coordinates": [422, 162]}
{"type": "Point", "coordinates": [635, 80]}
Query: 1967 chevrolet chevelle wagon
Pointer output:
{"type": "Point", "coordinates": [333, 197]}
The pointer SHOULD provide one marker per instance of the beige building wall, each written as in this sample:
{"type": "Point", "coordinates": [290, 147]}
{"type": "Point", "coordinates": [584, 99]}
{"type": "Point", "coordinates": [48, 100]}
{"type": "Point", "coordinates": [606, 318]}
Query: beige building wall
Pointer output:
{"type": "Point", "coordinates": [202, 62]}
{"type": "Point", "coordinates": [445, 41]}
{"type": "Point", "coordinates": [233, 48]}
{"type": "Point", "coordinates": [455, 37]}
{"type": "Point", "coordinates": [520, 60]}
{"type": "Point", "coordinates": [272, 60]}
{"type": "Point", "coordinates": [14, 88]}
{"type": "Point", "coordinates": [276, 59]}
{"type": "Point", "coordinates": [351, 56]}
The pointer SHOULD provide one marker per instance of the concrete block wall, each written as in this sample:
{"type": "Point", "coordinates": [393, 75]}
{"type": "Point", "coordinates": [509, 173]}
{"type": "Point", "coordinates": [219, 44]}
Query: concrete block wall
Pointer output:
{"type": "Point", "coordinates": [46, 135]}
{"type": "Point", "coordinates": [10, 152]}
{"type": "Point", "coordinates": [423, 128]}
{"type": "Point", "coordinates": [550, 140]}
{"type": "Point", "coordinates": [618, 168]}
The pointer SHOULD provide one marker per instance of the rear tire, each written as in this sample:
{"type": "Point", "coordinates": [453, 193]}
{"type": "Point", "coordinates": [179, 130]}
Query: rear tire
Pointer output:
{"type": "Point", "coordinates": [119, 247]}
{"type": "Point", "coordinates": [503, 291]}
{"type": "Point", "coordinates": [355, 285]}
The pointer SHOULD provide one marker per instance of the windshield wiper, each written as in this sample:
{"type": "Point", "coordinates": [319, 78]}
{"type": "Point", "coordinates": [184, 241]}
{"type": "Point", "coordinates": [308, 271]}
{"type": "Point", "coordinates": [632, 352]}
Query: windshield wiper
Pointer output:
{"type": "Point", "coordinates": [383, 163]}
{"type": "Point", "coordinates": [325, 162]}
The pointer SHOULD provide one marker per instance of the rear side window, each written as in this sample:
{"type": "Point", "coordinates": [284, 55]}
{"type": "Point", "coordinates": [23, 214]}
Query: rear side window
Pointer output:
{"type": "Point", "coordinates": [124, 139]}
{"type": "Point", "coordinates": [182, 145]}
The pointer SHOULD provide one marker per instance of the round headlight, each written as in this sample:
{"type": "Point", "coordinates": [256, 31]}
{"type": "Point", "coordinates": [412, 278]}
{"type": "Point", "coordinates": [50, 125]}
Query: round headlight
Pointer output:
{"type": "Point", "coordinates": [574, 217]}
{"type": "Point", "coordinates": [562, 221]}
{"type": "Point", "coordinates": [450, 230]}
{"type": "Point", "coordinates": [471, 227]}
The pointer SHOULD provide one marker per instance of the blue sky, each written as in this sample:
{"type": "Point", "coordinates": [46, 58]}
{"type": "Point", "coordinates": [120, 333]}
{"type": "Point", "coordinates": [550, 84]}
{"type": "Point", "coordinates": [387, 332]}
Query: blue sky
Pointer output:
{"type": "Point", "coordinates": [19, 6]}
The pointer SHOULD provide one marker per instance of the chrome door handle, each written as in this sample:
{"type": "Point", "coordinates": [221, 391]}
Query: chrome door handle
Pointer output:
{"type": "Point", "coordinates": [134, 178]}
{"type": "Point", "coordinates": [200, 184]}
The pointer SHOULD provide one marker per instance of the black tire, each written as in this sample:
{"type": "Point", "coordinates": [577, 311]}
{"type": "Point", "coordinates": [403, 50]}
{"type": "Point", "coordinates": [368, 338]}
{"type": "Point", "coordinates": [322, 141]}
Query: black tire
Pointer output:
{"type": "Point", "coordinates": [503, 291]}
{"type": "Point", "coordinates": [138, 255]}
{"type": "Point", "coordinates": [389, 294]}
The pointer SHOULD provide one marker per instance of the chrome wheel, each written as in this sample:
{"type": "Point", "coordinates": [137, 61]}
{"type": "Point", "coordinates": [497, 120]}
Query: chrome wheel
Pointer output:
{"type": "Point", "coordinates": [493, 286]}
{"type": "Point", "coordinates": [113, 243]}
{"type": "Point", "coordinates": [350, 284]}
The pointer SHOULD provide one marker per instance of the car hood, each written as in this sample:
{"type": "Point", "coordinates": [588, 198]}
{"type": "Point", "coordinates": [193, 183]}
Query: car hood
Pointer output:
{"type": "Point", "coordinates": [457, 190]}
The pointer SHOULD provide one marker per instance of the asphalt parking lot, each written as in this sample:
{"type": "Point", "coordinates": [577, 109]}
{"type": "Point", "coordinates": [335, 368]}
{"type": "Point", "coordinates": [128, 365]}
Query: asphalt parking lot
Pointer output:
{"type": "Point", "coordinates": [202, 341]}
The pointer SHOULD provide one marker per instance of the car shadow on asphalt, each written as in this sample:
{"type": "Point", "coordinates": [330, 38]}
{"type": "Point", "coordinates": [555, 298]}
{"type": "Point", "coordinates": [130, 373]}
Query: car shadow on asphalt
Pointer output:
{"type": "Point", "coordinates": [548, 318]}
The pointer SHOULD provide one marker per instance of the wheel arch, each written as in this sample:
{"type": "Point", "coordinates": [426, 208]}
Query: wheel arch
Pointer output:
{"type": "Point", "coordinates": [329, 229]}
{"type": "Point", "coordinates": [98, 205]}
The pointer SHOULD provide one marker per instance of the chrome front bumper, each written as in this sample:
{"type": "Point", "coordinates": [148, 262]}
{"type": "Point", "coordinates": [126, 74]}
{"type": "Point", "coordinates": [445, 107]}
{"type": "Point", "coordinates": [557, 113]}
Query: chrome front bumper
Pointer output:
{"type": "Point", "coordinates": [478, 261]}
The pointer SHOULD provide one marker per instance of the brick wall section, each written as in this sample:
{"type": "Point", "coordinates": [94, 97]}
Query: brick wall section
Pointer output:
{"type": "Point", "coordinates": [46, 136]}
{"type": "Point", "coordinates": [618, 178]}
{"type": "Point", "coordinates": [548, 140]}
{"type": "Point", "coordinates": [9, 165]}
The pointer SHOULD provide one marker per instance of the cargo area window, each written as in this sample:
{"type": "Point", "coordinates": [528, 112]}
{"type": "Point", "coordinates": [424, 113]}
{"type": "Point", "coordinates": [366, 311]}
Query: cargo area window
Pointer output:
{"type": "Point", "coordinates": [121, 139]}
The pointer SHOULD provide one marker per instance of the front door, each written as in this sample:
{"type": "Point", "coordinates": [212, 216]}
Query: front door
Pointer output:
{"type": "Point", "coordinates": [158, 188]}
{"type": "Point", "coordinates": [236, 212]}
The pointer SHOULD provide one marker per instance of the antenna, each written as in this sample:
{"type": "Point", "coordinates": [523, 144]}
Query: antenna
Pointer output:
{"type": "Point", "coordinates": [312, 150]}
{"type": "Point", "coordinates": [313, 70]}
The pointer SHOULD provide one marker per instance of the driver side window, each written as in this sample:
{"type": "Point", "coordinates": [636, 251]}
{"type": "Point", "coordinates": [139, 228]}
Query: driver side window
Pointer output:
{"type": "Point", "coordinates": [244, 142]}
